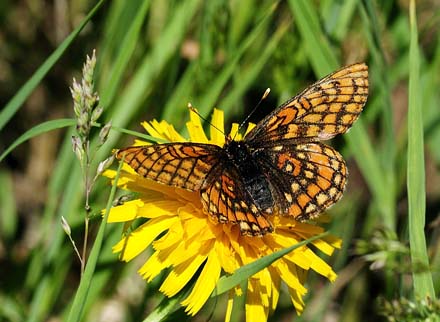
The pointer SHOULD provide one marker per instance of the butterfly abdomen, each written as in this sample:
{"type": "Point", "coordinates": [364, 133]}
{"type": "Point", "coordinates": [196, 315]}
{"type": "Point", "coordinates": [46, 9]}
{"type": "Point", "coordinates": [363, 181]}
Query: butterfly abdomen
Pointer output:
{"type": "Point", "coordinates": [252, 175]}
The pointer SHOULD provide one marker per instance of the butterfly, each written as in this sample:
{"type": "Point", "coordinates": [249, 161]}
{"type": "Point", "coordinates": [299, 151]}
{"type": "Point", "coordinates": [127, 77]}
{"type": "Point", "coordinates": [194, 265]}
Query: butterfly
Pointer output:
{"type": "Point", "coordinates": [280, 167]}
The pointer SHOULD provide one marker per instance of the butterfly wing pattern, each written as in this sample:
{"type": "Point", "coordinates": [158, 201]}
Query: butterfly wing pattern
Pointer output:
{"type": "Point", "coordinates": [323, 110]}
{"type": "Point", "coordinates": [307, 178]}
{"type": "Point", "coordinates": [227, 201]}
{"type": "Point", "coordinates": [280, 167]}
{"type": "Point", "coordinates": [183, 165]}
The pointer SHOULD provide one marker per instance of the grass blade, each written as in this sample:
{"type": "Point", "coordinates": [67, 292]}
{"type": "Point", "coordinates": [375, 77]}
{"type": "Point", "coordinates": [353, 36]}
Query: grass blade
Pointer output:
{"type": "Point", "coordinates": [423, 285]}
{"type": "Point", "coordinates": [249, 76]}
{"type": "Point", "coordinates": [9, 218]}
{"type": "Point", "coordinates": [165, 308]}
{"type": "Point", "coordinates": [80, 299]}
{"type": "Point", "coordinates": [244, 272]}
{"type": "Point", "coordinates": [152, 64]}
{"type": "Point", "coordinates": [208, 100]}
{"type": "Point", "coordinates": [380, 81]}
{"type": "Point", "coordinates": [37, 130]}
{"type": "Point", "coordinates": [127, 48]}
{"type": "Point", "coordinates": [320, 53]}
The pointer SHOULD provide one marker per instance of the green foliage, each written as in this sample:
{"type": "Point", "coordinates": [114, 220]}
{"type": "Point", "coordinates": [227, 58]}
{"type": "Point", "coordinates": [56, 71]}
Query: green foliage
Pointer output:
{"type": "Point", "coordinates": [404, 310]}
{"type": "Point", "coordinates": [153, 57]}
{"type": "Point", "coordinates": [423, 285]}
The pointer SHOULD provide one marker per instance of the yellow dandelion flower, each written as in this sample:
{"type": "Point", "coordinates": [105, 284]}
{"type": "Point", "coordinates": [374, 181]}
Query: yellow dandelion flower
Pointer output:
{"type": "Point", "coordinates": [186, 240]}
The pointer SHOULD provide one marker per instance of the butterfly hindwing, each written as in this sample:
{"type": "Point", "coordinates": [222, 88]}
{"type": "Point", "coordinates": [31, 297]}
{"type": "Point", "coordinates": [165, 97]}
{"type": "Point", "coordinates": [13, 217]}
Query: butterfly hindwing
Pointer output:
{"type": "Point", "coordinates": [323, 110]}
{"type": "Point", "coordinates": [183, 165]}
{"type": "Point", "coordinates": [227, 201]}
{"type": "Point", "coordinates": [307, 178]}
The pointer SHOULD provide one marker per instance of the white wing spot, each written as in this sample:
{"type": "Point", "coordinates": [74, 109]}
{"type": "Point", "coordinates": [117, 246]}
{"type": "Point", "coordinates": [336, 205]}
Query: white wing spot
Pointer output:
{"type": "Point", "coordinates": [295, 187]}
{"type": "Point", "coordinates": [288, 167]}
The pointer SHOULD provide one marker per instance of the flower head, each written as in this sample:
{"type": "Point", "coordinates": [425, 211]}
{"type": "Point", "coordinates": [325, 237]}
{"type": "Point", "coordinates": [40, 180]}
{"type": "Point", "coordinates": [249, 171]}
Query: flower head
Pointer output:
{"type": "Point", "coordinates": [186, 241]}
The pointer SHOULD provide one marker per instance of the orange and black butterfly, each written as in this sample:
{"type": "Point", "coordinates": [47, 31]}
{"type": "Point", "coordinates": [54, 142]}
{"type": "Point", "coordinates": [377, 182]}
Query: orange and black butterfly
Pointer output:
{"type": "Point", "coordinates": [280, 167]}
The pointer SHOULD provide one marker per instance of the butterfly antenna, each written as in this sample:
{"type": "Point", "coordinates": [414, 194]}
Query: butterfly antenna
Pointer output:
{"type": "Point", "coordinates": [266, 93]}
{"type": "Point", "coordinates": [192, 109]}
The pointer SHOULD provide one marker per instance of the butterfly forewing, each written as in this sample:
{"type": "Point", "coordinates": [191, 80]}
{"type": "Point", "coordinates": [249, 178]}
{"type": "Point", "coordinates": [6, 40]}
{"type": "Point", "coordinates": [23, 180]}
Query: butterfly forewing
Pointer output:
{"type": "Point", "coordinates": [323, 110]}
{"type": "Point", "coordinates": [183, 165]}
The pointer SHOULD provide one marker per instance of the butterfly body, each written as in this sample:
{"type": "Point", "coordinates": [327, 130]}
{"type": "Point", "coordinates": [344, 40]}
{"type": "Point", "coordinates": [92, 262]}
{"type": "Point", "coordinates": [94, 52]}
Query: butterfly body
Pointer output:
{"type": "Point", "coordinates": [280, 167]}
{"type": "Point", "coordinates": [247, 165]}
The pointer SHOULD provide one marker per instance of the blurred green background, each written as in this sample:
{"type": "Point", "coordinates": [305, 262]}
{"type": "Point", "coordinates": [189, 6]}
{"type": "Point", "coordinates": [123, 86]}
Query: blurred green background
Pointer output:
{"type": "Point", "coordinates": [153, 57]}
